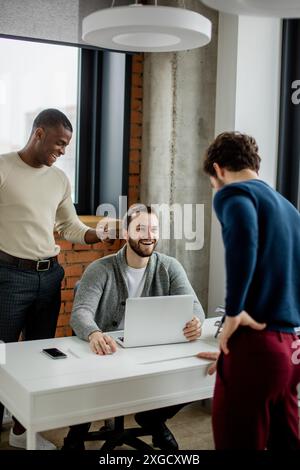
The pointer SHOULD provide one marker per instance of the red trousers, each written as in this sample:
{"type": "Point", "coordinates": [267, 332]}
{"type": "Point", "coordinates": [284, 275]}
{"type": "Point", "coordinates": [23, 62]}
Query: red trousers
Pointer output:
{"type": "Point", "coordinates": [255, 399]}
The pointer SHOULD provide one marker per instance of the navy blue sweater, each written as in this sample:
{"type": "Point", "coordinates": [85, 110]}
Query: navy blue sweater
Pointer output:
{"type": "Point", "coordinates": [261, 234]}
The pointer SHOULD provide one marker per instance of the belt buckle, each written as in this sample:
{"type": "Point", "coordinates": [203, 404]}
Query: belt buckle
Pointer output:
{"type": "Point", "coordinates": [41, 261]}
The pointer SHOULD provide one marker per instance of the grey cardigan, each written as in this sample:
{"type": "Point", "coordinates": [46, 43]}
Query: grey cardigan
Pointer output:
{"type": "Point", "coordinates": [100, 299]}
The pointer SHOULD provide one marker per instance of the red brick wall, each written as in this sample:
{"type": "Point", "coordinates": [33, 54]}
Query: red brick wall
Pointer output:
{"type": "Point", "coordinates": [74, 257]}
{"type": "Point", "coordinates": [136, 129]}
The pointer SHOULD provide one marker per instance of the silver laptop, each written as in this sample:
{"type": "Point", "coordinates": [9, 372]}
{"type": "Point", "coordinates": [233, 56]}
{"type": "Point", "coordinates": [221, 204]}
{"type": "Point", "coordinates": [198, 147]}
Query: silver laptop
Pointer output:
{"type": "Point", "coordinates": [156, 320]}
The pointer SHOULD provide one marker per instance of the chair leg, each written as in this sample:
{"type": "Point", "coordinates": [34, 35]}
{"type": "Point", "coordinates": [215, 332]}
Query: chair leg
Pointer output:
{"type": "Point", "coordinates": [136, 443]}
{"type": "Point", "coordinates": [109, 425]}
{"type": "Point", "coordinates": [1, 415]}
{"type": "Point", "coordinates": [116, 435]}
{"type": "Point", "coordinates": [128, 439]}
{"type": "Point", "coordinates": [119, 424]}
{"type": "Point", "coordinates": [109, 445]}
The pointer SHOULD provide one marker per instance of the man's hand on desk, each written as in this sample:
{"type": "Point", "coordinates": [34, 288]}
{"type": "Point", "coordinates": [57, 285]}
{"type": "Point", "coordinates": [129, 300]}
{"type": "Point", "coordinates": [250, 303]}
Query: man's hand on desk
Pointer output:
{"type": "Point", "coordinates": [101, 343]}
{"type": "Point", "coordinates": [192, 329]}
{"type": "Point", "coordinates": [212, 356]}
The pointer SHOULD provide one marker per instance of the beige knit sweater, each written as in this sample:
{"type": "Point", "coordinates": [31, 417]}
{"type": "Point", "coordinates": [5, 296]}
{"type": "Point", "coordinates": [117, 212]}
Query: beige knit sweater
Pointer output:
{"type": "Point", "coordinates": [33, 203]}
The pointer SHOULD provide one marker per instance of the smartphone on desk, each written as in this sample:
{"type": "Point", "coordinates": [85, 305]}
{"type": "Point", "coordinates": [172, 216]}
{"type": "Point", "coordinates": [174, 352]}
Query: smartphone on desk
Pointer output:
{"type": "Point", "coordinates": [54, 353]}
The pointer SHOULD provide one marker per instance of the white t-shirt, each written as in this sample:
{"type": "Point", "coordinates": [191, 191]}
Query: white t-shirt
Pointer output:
{"type": "Point", "coordinates": [135, 280]}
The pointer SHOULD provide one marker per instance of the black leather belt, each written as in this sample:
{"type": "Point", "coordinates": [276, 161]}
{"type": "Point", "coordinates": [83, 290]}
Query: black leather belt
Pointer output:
{"type": "Point", "coordinates": [21, 263]}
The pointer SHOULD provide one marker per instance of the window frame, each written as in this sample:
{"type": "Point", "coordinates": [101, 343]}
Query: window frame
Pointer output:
{"type": "Point", "coordinates": [88, 142]}
{"type": "Point", "coordinates": [288, 171]}
{"type": "Point", "coordinates": [91, 91]}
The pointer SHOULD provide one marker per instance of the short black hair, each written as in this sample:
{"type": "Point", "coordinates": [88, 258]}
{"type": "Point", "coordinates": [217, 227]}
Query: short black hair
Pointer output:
{"type": "Point", "coordinates": [51, 118]}
{"type": "Point", "coordinates": [135, 210]}
{"type": "Point", "coordinates": [234, 151]}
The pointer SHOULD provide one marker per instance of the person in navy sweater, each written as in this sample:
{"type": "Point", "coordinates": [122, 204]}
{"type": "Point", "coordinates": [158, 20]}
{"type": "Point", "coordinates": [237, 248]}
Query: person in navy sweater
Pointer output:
{"type": "Point", "coordinates": [255, 399]}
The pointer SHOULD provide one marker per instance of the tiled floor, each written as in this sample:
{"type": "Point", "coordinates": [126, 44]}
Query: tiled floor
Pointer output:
{"type": "Point", "coordinates": [191, 426]}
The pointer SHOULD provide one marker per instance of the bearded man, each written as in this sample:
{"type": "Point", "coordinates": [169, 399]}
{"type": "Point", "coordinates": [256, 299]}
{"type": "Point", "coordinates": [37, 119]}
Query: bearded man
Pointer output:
{"type": "Point", "coordinates": [137, 270]}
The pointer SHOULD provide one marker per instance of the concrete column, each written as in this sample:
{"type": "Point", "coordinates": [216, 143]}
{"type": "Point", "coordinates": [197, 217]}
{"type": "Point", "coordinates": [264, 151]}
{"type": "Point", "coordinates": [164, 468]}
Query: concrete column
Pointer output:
{"type": "Point", "coordinates": [178, 124]}
{"type": "Point", "coordinates": [248, 83]}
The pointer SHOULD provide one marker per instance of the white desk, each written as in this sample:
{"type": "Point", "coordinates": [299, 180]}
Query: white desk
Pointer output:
{"type": "Point", "coordinates": [46, 394]}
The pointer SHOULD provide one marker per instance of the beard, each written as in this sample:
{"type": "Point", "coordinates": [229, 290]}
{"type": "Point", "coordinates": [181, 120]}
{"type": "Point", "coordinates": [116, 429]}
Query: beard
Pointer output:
{"type": "Point", "coordinates": [144, 251]}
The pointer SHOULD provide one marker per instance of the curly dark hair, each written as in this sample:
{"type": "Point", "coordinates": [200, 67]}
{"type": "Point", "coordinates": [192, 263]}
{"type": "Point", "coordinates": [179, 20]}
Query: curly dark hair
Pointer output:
{"type": "Point", "coordinates": [233, 151]}
{"type": "Point", "coordinates": [51, 118]}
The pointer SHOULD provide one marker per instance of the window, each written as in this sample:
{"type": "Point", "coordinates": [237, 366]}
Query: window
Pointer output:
{"type": "Point", "coordinates": [35, 76]}
{"type": "Point", "coordinates": [104, 124]}
{"type": "Point", "coordinates": [92, 87]}
{"type": "Point", "coordinates": [288, 177]}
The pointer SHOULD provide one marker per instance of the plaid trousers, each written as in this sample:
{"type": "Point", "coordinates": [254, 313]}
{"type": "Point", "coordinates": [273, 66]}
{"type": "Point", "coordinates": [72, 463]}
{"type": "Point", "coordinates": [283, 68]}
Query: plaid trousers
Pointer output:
{"type": "Point", "coordinates": [29, 304]}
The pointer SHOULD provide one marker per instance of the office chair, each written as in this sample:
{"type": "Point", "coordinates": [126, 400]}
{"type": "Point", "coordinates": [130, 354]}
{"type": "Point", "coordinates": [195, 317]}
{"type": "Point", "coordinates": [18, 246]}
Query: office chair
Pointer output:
{"type": "Point", "coordinates": [114, 433]}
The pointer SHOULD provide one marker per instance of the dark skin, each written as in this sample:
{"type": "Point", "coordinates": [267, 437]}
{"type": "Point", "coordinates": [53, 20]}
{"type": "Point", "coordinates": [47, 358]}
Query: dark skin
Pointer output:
{"type": "Point", "coordinates": [44, 147]}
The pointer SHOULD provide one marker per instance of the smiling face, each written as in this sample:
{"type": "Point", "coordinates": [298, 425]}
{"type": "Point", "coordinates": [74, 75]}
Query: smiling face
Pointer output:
{"type": "Point", "coordinates": [50, 144]}
{"type": "Point", "coordinates": [143, 233]}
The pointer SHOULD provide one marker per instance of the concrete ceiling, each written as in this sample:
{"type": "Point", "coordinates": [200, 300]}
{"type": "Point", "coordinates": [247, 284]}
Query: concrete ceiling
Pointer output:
{"type": "Point", "coordinates": [272, 8]}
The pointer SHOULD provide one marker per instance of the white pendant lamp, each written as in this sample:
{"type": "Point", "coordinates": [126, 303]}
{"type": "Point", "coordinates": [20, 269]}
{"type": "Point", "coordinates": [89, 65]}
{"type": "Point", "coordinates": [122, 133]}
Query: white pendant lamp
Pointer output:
{"type": "Point", "coordinates": [146, 28]}
{"type": "Point", "coordinates": [272, 8]}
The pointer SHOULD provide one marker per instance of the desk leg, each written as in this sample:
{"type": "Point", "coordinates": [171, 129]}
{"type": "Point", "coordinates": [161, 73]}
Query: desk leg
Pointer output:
{"type": "Point", "coordinates": [31, 440]}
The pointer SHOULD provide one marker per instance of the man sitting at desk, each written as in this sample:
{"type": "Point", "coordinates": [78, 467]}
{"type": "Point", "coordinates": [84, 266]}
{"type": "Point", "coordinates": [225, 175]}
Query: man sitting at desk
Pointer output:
{"type": "Point", "coordinates": [99, 306]}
